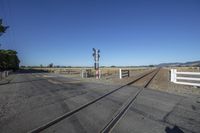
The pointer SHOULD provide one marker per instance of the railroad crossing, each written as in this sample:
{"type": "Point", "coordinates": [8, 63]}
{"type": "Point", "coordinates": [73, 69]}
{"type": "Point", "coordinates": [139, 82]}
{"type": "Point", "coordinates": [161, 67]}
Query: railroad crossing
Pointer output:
{"type": "Point", "coordinates": [45, 102]}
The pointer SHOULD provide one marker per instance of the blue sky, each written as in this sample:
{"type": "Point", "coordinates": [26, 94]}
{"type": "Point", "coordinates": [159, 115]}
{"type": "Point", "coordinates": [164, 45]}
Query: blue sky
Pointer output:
{"type": "Point", "coordinates": [128, 32]}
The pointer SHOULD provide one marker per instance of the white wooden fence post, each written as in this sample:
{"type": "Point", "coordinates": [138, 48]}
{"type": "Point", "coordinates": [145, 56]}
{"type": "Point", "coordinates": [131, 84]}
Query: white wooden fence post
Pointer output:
{"type": "Point", "coordinates": [175, 75]}
{"type": "Point", "coordinates": [120, 73]}
{"type": "Point", "coordinates": [6, 73]}
{"type": "Point", "coordinates": [172, 75]}
{"type": "Point", "coordinates": [82, 73]}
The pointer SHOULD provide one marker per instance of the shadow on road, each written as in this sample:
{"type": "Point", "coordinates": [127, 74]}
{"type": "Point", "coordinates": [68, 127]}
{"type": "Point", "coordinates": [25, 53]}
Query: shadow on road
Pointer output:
{"type": "Point", "coordinates": [26, 81]}
{"type": "Point", "coordinates": [175, 129]}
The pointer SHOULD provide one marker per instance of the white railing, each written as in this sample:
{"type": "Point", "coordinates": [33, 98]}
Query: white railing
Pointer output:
{"type": "Point", "coordinates": [4, 74]}
{"type": "Point", "coordinates": [123, 73]}
{"type": "Point", "coordinates": [187, 80]}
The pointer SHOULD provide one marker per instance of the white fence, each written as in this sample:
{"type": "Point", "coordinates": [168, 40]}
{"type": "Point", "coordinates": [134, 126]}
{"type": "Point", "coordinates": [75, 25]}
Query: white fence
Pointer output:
{"type": "Point", "coordinates": [187, 80]}
{"type": "Point", "coordinates": [123, 73]}
{"type": "Point", "coordinates": [4, 74]}
{"type": "Point", "coordinates": [88, 73]}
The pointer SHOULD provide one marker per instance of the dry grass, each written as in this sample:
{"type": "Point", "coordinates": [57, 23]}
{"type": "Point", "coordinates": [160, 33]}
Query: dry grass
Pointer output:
{"type": "Point", "coordinates": [104, 71]}
{"type": "Point", "coordinates": [188, 69]}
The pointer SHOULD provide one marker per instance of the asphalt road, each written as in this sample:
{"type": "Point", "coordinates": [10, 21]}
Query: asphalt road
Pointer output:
{"type": "Point", "coordinates": [32, 99]}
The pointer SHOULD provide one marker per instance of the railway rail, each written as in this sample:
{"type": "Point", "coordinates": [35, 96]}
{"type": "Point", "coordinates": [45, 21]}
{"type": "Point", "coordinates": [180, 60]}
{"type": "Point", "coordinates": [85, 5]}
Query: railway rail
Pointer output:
{"type": "Point", "coordinates": [120, 113]}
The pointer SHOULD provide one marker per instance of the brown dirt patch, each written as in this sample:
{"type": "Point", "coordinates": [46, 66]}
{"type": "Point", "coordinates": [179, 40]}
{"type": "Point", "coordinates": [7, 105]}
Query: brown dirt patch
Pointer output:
{"type": "Point", "coordinates": [162, 82]}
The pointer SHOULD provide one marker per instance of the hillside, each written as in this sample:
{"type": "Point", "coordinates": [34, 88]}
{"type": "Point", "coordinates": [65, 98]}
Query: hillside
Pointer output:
{"type": "Point", "coordinates": [175, 64]}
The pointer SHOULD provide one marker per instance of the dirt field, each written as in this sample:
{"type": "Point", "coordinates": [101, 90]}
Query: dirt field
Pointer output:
{"type": "Point", "coordinates": [162, 82]}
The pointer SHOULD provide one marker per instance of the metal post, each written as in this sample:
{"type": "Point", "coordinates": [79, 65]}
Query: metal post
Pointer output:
{"type": "Point", "coordinates": [97, 74]}
{"type": "Point", "coordinates": [96, 64]}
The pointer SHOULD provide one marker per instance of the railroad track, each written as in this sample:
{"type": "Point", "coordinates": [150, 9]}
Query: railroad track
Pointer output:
{"type": "Point", "coordinates": [108, 127]}
{"type": "Point", "coordinates": [122, 111]}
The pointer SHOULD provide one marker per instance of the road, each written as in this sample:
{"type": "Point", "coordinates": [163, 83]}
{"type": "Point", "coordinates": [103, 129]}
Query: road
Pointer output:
{"type": "Point", "coordinates": [33, 99]}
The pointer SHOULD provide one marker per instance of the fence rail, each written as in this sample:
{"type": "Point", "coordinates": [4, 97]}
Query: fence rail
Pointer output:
{"type": "Point", "coordinates": [187, 80]}
{"type": "Point", "coordinates": [123, 73]}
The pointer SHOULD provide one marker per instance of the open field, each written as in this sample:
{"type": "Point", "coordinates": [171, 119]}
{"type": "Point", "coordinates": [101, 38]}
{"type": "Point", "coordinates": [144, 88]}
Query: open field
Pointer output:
{"type": "Point", "coordinates": [188, 69]}
{"type": "Point", "coordinates": [104, 71]}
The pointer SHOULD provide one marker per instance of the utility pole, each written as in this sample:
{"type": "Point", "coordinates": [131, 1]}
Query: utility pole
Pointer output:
{"type": "Point", "coordinates": [96, 64]}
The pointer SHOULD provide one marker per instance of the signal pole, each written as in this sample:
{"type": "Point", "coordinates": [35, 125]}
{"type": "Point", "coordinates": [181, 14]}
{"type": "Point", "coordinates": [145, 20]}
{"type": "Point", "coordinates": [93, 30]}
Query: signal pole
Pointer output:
{"type": "Point", "coordinates": [96, 64]}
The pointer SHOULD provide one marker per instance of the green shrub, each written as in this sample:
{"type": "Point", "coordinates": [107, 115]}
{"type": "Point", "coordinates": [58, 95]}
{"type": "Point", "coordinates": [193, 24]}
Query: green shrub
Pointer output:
{"type": "Point", "coordinates": [9, 60]}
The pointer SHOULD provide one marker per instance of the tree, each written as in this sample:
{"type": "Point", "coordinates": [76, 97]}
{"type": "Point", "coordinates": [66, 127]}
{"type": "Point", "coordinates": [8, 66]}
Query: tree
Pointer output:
{"type": "Point", "coordinates": [151, 65]}
{"type": "Point", "coordinates": [50, 65]}
{"type": "Point", "coordinates": [22, 67]}
{"type": "Point", "coordinates": [2, 28]}
{"type": "Point", "coordinates": [9, 60]}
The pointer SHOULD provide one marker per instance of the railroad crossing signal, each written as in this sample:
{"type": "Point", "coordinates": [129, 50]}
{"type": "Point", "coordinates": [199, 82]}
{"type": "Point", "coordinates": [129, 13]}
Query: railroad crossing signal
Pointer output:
{"type": "Point", "coordinates": [96, 58]}
{"type": "Point", "coordinates": [96, 54]}
{"type": "Point", "coordinates": [96, 64]}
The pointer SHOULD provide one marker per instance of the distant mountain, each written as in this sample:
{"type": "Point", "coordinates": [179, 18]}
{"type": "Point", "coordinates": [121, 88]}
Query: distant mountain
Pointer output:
{"type": "Point", "coordinates": [176, 64]}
